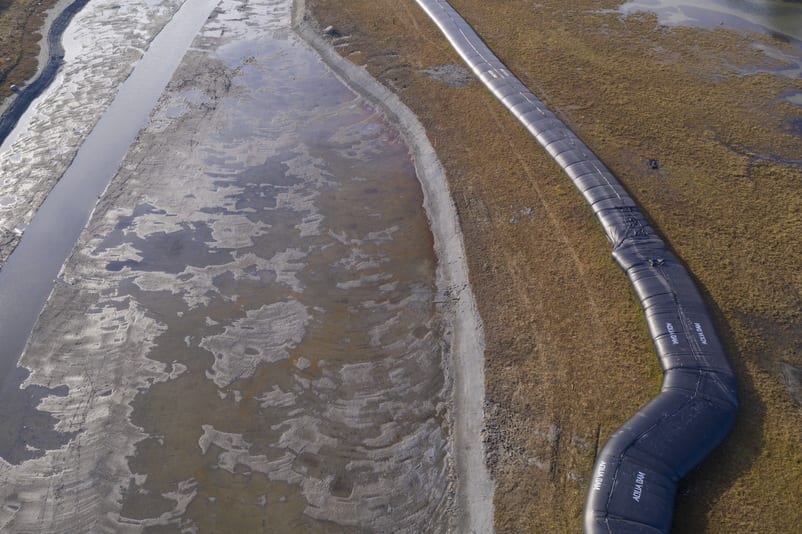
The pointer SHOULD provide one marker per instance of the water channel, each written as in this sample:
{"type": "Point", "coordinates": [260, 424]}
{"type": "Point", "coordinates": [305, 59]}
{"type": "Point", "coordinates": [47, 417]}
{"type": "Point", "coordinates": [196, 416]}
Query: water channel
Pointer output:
{"type": "Point", "coordinates": [781, 18]}
{"type": "Point", "coordinates": [246, 337]}
{"type": "Point", "coordinates": [26, 278]}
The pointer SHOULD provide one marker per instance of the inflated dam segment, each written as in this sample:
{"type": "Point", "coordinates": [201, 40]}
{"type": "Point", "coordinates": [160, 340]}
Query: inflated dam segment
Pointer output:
{"type": "Point", "coordinates": [634, 480]}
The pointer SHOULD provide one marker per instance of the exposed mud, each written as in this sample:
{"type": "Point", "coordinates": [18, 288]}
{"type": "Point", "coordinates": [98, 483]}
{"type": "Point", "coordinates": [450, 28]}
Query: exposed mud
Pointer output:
{"type": "Point", "coordinates": [21, 50]}
{"type": "Point", "coordinates": [474, 487]}
{"type": "Point", "coordinates": [253, 333]}
{"type": "Point", "coordinates": [102, 43]}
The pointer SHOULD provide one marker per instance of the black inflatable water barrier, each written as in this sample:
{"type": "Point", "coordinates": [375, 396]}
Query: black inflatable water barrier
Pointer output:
{"type": "Point", "coordinates": [26, 95]}
{"type": "Point", "coordinates": [634, 480]}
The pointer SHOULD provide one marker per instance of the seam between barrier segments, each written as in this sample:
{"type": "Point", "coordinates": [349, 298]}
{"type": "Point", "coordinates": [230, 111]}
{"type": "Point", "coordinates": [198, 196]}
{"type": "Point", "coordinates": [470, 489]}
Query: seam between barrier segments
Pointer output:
{"type": "Point", "coordinates": [696, 349]}
{"type": "Point", "coordinates": [666, 279]}
{"type": "Point", "coordinates": [594, 160]}
{"type": "Point", "coordinates": [638, 438]}
{"type": "Point", "coordinates": [683, 317]}
{"type": "Point", "coordinates": [535, 102]}
{"type": "Point", "coordinates": [699, 375]}
{"type": "Point", "coordinates": [694, 342]}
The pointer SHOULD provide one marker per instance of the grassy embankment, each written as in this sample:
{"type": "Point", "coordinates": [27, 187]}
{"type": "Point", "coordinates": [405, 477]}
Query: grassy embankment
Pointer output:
{"type": "Point", "coordinates": [568, 356]}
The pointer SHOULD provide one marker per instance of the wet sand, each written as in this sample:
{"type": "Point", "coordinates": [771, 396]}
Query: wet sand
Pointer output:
{"type": "Point", "coordinates": [101, 45]}
{"type": "Point", "coordinates": [254, 332]}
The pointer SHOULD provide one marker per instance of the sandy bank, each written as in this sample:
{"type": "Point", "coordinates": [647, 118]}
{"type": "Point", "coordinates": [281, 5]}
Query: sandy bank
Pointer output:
{"type": "Point", "coordinates": [473, 484]}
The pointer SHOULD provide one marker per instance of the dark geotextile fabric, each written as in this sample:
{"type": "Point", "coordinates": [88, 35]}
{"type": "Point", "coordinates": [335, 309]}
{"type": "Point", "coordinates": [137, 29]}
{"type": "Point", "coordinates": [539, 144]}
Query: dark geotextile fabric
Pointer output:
{"type": "Point", "coordinates": [634, 480]}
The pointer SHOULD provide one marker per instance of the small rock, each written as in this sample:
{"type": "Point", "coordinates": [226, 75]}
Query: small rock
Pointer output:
{"type": "Point", "coordinates": [654, 164]}
{"type": "Point", "coordinates": [331, 31]}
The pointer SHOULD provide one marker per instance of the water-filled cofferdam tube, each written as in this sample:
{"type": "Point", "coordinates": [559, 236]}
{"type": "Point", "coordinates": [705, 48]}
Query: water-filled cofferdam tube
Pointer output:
{"type": "Point", "coordinates": [633, 482]}
{"type": "Point", "coordinates": [55, 57]}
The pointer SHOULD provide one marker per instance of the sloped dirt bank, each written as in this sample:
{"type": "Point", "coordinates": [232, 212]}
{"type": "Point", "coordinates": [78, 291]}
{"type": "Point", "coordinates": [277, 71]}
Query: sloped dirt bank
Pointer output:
{"type": "Point", "coordinates": [473, 485]}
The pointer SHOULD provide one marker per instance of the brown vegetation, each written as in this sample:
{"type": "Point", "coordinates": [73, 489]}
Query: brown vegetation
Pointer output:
{"type": "Point", "coordinates": [568, 355]}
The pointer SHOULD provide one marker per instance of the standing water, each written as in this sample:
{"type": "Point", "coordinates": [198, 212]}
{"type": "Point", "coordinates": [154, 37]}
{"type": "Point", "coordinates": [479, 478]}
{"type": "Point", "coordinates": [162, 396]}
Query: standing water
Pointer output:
{"type": "Point", "coordinates": [26, 278]}
{"type": "Point", "coordinates": [246, 338]}
{"type": "Point", "coordinates": [782, 18]}
{"type": "Point", "coordinates": [779, 19]}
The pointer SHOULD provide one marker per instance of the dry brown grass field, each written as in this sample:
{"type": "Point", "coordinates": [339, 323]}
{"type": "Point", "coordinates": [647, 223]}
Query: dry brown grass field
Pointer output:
{"type": "Point", "coordinates": [568, 355]}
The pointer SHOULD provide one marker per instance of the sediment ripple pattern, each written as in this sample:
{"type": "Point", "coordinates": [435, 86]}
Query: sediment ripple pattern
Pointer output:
{"type": "Point", "coordinates": [247, 336]}
{"type": "Point", "coordinates": [634, 479]}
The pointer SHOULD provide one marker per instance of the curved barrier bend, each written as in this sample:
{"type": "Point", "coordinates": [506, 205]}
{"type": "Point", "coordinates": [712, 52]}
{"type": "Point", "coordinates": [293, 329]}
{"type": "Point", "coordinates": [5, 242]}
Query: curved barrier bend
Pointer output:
{"type": "Point", "coordinates": [12, 114]}
{"type": "Point", "coordinates": [634, 480]}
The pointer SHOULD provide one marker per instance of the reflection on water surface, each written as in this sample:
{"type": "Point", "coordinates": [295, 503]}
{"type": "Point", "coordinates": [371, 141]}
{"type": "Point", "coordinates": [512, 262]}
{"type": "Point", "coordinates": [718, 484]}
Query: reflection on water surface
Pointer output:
{"type": "Point", "coordinates": [782, 20]}
{"type": "Point", "coordinates": [772, 16]}
{"type": "Point", "coordinates": [248, 331]}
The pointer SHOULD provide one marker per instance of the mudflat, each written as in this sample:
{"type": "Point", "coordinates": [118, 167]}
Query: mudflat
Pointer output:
{"type": "Point", "coordinates": [568, 357]}
{"type": "Point", "coordinates": [260, 179]}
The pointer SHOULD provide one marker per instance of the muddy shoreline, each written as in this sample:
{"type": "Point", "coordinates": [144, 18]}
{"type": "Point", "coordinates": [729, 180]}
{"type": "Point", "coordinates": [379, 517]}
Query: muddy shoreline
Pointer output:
{"type": "Point", "coordinates": [159, 303]}
{"type": "Point", "coordinates": [23, 26]}
{"type": "Point", "coordinates": [474, 488]}
{"type": "Point", "coordinates": [50, 62]}
{"type": "Point", "coordinates": [49, 134]}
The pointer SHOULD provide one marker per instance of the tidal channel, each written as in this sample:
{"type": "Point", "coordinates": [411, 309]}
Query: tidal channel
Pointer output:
{"type": "Point", "coordinates": [246, 337]}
